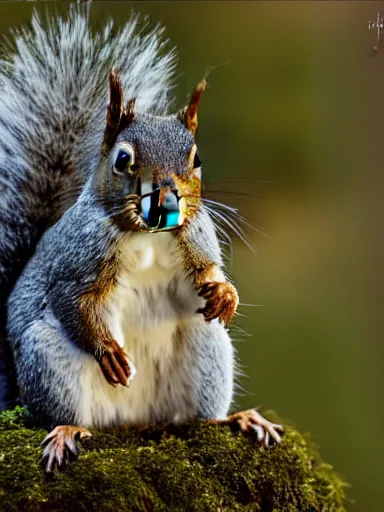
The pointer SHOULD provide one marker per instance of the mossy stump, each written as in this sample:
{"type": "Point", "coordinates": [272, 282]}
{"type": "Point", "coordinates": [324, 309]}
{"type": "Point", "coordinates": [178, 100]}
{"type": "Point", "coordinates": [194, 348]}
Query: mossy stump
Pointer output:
{"type": "Point", "coordinates": [196, 467]}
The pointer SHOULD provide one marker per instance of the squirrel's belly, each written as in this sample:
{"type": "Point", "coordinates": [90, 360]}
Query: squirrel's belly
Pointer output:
{"type": "Point", "coordinates": [152, 291]}
{"type": "Point", "coordinates": [164, 386]}
{"type": "Point", "coordinates": [147, 314]}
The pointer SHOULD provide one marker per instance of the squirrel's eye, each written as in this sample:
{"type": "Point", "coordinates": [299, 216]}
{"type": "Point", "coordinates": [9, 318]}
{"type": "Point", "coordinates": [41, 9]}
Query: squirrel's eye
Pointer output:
{"type": "Point", "coordinates": [124, 160]}
{"type": "Point", "coordinates": [196, 161]}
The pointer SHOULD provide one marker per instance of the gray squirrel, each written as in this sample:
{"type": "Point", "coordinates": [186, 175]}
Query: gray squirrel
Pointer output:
{"type": "Point", "coordinates": [120, 315]}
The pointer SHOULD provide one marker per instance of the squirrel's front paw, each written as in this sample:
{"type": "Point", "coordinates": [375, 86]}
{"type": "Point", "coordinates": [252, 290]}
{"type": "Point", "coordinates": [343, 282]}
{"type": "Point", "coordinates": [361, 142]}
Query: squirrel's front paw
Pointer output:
{"type": "Point", "coordinates": [221, 301]}
{"type": "Point", "coordinates": [115, 365]}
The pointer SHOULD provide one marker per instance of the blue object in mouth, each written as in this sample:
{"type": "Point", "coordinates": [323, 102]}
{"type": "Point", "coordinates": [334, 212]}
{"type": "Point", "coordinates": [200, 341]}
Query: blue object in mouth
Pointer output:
{"type": "Point", "coordinates": [161, 214]}
{"type": "Point", "coordinates": [172, 219]}
{"type": "Point", "coordinates": [145, 207]}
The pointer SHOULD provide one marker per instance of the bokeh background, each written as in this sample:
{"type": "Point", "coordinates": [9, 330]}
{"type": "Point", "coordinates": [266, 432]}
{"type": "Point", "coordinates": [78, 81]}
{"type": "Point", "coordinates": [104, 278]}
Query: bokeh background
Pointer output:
{"type": "Point", "coordinates": [291, 134]}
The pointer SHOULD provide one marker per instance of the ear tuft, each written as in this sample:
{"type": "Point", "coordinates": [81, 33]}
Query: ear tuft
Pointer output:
{"type": "Point", "coordinates": [118, 117]}
{"type": "Point", "coordinates": [115, 108]}
{"type": "Point", "coordinates": [128, 114]}
{"type": "Point", "coordinates": [188, 115]}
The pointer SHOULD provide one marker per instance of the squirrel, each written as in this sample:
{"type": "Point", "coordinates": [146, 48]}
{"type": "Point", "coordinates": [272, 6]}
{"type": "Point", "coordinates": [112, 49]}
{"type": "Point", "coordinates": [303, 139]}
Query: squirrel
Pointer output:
{"type": "Point", "coordinates": [121, 314]}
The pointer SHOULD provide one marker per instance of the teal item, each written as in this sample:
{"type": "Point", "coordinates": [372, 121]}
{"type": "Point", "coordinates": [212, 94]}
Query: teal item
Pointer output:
{"type": "Point", "coordinates": [172, 219]}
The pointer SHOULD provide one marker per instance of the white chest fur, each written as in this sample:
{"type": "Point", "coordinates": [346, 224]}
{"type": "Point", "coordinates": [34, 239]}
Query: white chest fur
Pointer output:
{"type": "Point", "coordinates": [151, 305]}
{"type": "Point", "coordinates": [152, 291]}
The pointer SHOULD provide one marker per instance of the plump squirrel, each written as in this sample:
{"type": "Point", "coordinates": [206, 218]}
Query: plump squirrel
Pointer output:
{"type": "Point", "coordinates": [120, 316]}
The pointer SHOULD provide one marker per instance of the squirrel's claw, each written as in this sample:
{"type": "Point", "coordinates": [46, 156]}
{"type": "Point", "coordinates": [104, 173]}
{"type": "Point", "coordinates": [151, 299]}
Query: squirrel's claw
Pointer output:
{"type": "Point", "coordinates": [251, 421]}
{"type": "Point", "coordinates": [221, 301]}
{"type": "Point", "coordinates": [132, 213]}
{"type": "Point", "coordinates": [116, 367]}
{"type": "Point", "coordinates": [60, 446]}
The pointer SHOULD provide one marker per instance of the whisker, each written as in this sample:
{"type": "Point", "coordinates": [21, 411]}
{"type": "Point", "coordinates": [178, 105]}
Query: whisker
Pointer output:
{"type": "Point", "coordinates": [224, 239]}
{"type": "Point", "coordinates": [239, 329]}
{"type": "Point", "coordinates": [237, 215]}
{"type": "Point", "coordinates": [251, 305]}
{"type": "Point", "coordinates": [111, 206]}
{"type": "Point", "coordinates": [233, 193]}
{"type": "Point", "coordinates": [236, 229]}
{"type": "Point", "coordinates": [246, 223]}
{"type": "Point", "coordinates": [221, 205]}
{"type": "Point", "coordinates": [224, 234]}
{"type": "Point", "coordinates": [249, 180]}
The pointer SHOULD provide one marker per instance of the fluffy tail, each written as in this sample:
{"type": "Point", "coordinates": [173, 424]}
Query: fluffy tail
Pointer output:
{"type": "Point", "coordinates": [54, 85]}
{"type": "Point", "coordinates": [53, 104]}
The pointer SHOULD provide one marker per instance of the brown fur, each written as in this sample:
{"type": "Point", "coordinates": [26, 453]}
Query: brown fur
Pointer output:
{"type": "Point", "coordinates": [188, 116]}
{"type": "Point", "coordinates": [118, 117]}
{"type": "Point", "coordinates": [221, 296]}
{"type": "Point", "coordinates": [221, 301]}
{"type": "Point", "coordinates": [91, 302]}
{"type": "Point", "coordinates": [115, 109]}
{"type": "Point", "coordinates": [97, 338]}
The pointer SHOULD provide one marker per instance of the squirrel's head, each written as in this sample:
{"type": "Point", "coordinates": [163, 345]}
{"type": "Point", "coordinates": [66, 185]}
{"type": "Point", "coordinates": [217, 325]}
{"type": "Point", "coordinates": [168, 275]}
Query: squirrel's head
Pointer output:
{"type": "Point", "coordinates": [150, 175]}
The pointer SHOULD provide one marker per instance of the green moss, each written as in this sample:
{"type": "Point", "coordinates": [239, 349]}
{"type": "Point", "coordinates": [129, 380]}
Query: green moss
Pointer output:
{"type": "Point", "coordinates": [196, 467]}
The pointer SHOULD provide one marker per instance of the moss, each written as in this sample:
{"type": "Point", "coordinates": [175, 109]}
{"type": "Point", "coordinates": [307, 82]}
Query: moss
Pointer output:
{"type": "Point", "coordinates": [196, 467]}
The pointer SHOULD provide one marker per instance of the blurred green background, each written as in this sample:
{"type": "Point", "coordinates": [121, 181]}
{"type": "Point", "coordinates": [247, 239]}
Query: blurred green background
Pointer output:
{"type": "Point", "coordinates": [291, 133]}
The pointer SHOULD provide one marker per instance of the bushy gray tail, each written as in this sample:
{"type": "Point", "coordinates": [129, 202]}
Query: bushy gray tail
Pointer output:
{"type": "Point", "coordinates": [53, 83]}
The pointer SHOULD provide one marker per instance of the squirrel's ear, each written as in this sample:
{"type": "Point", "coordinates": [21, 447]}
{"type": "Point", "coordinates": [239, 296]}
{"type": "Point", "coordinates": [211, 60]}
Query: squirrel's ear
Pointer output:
{"type": "Point", "coordinates": [115, 108]}
{"type": "Point", "coordinates": [118, 117]}
{"type": "Point", "coordinates": [188, 115]}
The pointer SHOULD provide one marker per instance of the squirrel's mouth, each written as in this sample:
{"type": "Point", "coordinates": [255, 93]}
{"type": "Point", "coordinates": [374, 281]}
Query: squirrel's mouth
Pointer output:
{"type": "Point", "coordinates": [161, 205]}
{"type": "Point", "coordinates": [162, 209]}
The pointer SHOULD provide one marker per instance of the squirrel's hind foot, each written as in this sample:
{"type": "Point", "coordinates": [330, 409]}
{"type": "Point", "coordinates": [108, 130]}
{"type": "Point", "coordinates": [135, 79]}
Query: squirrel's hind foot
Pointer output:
{"type": "Point", "coordinates": [251, 421]}
{"type": "Point", "coordinates": [60, 446]}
